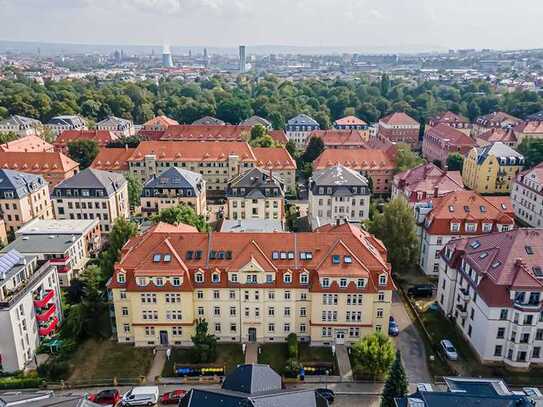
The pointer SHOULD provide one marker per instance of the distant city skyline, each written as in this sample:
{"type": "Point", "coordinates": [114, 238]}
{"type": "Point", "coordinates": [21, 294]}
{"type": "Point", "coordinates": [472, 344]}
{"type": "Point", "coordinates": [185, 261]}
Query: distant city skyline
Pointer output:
{"type": "Point", "coordinates": [394, 25]}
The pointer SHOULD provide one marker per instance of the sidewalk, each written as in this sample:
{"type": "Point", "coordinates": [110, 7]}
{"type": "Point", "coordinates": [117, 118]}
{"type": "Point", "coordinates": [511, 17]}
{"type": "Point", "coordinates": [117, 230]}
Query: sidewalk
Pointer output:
{"type": "Point", "coordinates": [156, 367]}
{"type": "Point", "coordinates": [343, 362]}
{"type": "Point", "coordinates": [251, 354]}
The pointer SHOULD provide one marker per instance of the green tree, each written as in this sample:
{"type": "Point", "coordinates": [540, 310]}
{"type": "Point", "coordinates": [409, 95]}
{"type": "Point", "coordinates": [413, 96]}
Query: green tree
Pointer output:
{"type": "Point", "coordinates": [372, 356]}
{"type": "Point", "coordinates": [83, 151]}
{"type": "Point", "coordinates": [121, 231]}
{"type": "Point", "coordinates": [532, 150]}
{"type": "Point", "coordinates": [7, 137]}
{"type": "Point", "coordinates": [407, 159]}
{"type": "Point", "coordinates": [396, 384]}
{"type": "Point", "coordinates": [291, 148]}
{"type": "Point", "coordinates": [135, 188]}
{"type": "Point", "coordinates": [258, 131]}
{"type": "Point", "coordinates": [182, 214]}
{"type": "Point", "coordinates": [314, 148]}
{"type": "Point", "coordinates": [455, 162]}
{"type": "Point", "coordinates": [205, 345]}
{"type": "Point", "coordinates": [385, 85]}
{"type": "Point", "coordinates": [395, 226]}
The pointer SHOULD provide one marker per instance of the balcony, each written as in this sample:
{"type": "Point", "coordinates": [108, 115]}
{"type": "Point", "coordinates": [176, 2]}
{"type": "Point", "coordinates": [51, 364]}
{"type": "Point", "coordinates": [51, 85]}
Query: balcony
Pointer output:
{"type": "Point", "coordinates": [61, 260]}
{"type": "Point", "coordinates": [14, 295]}
{"type": "Point", "coordinates": [464, 294]}
{"type": "Point", "coordinates": [49, 328]}
{"type": "Point", "coordinates": [41, 301]}
{"type": "Point", "coordinates": [462, 311]}
{"type": "Point", "coordinates": [45, 315]}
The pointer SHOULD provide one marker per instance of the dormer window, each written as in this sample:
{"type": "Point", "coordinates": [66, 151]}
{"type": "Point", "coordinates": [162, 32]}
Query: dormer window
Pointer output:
{"type": "Point", "coordinates": [335, 259]}
{"type": "Point", "coordinates": [304, 278]}
{"type": "Point", "coordinates": [199, 277]}
{"type": "Point", "coordinates": [471, 227]}
{"type": "Point", "coordinates": [234, 278]}
{"type": "Point", "coordinates": [487, 227]}
{"type": "Point", "coordinates": [269, 278]}
{"type": "Point", "coordinates": [216, 278]}
{"type": "Point", "coordinates": [121, 278]}
{"type": "Point", "coordinates": [360, 283]}
{"type": "Point", "coordinates": [287, 278]}
{"type": "Point", "coordinates": [167, 258]}
{"type": "Point", "coordinates": [326, 282]}
{"type": "Point", "coordinates": [176, 281]}
{"type": "Point", "coordinates": [347, 259]}
{"type": "Point", "coordinates": [159, 282]}
{"type": "Point", "coordinates": [343, 282]}
{"type": "Point", "coordinates": [275, 255]}
{"type": "Point", "coordinates": [156, 258]}
{"type": "Point", "coordinates": [141, 281]}
{"type": "Point", "coordinates": [382, 279]}
{"type": "Point", "coordinates": [455, 227]}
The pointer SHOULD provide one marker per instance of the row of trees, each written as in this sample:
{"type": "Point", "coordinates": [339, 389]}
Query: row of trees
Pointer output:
{"type": "Point", "coordinates": [270, 97]}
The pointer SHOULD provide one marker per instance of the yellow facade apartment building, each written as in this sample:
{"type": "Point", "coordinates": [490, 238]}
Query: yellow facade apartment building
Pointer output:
{"type": "Point", "coordinates": [491, 169]}
{"type": "Point", "coordinates": [329, 286]}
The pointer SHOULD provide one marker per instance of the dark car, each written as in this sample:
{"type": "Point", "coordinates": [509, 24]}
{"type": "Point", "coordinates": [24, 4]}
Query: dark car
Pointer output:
{"type": "Point", "coordinates": [393, 328]}
{"type": "Point", "coordinates": [328, 394]}
{"type": "Point", "coordinates": [172, 397]}
{"type": "Point", "coordinates": [421, 290]}
{"type": "Point", "coordinates": [108, 397]}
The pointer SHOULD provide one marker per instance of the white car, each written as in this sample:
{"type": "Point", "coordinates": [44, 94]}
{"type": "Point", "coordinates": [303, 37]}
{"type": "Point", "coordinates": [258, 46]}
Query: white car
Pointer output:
{"type": "Point", "coordinates": [140, 396]}
{"type": "Point", "coordinates": [449, 349]}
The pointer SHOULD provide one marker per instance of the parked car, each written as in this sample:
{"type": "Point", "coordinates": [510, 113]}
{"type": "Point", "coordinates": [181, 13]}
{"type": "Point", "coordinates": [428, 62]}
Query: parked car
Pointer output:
{"type": "Point", "coordinates": [172, 397]}
{"type": "Point", "coordinates": [421, 290]}
{"type": "Point", "coordinates": [393, 328]}
{"type": "Point", "coordinates": [140, 396]}
{"type": "Point", "coordinates": [109, 397]}
{"type": "Point", "coordinates": [328, 394]}
{"type": "Point", "coordinates": [449, 349]}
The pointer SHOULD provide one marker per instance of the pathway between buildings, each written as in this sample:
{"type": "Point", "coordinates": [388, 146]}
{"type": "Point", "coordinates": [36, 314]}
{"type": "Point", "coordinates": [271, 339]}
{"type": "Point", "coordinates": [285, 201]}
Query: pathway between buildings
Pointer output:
{"type": "Point", "coordinates": [251, 354]}
{"type": "Point", "coordinates": [157, 366]}
{"type": "Point", "coordinates": [344, 363]}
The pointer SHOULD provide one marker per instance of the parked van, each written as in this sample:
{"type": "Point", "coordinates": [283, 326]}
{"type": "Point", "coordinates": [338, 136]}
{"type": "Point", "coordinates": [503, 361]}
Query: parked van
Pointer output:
{"type": "Point", "coordinates": [421, 290]}
{"type": "Point", "coordinates": [140, 396]}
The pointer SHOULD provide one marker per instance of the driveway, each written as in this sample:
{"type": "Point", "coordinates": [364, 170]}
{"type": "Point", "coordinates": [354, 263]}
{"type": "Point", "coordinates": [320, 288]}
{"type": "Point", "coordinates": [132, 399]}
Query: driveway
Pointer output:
{"type": "Point", "coordinates": [410, 344]}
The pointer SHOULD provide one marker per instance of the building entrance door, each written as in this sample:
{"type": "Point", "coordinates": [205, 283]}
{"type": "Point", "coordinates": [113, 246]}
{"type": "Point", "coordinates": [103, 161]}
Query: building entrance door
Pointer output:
{"type": "Point", "coordinates": [252, 334]}
{"type": "Point", "coordinates": [163, 337]}
{"type": "Point", "coordinates": [340, 337]}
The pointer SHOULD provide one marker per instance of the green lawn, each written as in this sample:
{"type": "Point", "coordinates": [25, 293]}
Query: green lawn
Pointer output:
{"type": "Point", "coordinates": [228, 354]}
{"type": "Point", "coordinates": [275, 355]}
{"type": "Point", "coordinates": [315, 353]}
{"type": "Point", "coordinates": [107, 359]}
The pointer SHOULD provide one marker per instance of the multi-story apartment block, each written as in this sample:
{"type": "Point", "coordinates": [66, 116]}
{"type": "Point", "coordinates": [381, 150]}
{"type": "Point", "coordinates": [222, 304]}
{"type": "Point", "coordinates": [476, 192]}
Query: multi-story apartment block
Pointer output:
{"type": "Point", "coordinates": [451, 119]}
{"type": "Point", "coordinates": [460, 214]}
{"type": "Point", "coordinates": [23, 197]}
{"type": "Point", "coordinates": [216, 132]}
{"type": "Point", "coordinates": [338, 194]}
{"type": "Point", "coordinates": [492, 169]}
{"type": "Point", "coordinates": [507, 136]}
{"type": "Point", "coordinates": [68, 252]}
{"type": "Point", "coordinates": [22, 126]}
{"type": "Point", "coordinates": [255, 194]}
{"type": "Point", "coordinates": [329, 286]}
{"type": "Point", "coordinates": [491, 287]}
{"type": "Point", "coordinates": [118, 126]}
{"type": "Point", "coordinates": [299, 128]}
{"type": "Point", "coordinates": [442, 140]}
{"type": "Point", "coordinates": [399, 127]}
{"type": "Point", "coordinates": [378, 165]}
{"type": "Point", "coordinates": [350, 123]}
{"type": "Point", "coordinates": [492, 121]}
{"type": "Point", "coordinates": [530, 130]}
{"type": "Point", "coordinates": [102, 137]}
{"type": "Point", "coordinates": [255, 120]}
{"type": "Point", "coordinates": [113, 160]}
{"type": "Point", "coordinates": [30, 308]}
{"type": "Point", "coordinates": [92, 194]}
{"type": "Point", "coordinates": [27, 144]}
{"type": "Point", "coordinates": [58, 124]}
{"type": "Point", "coordinates": [527, 196]}
{"type": "Point", "coordinates": [173, 187]}
{"type": "Point", "coordinates": [217, 162]}
{"type": "Point", "coordinates": [425, 182]}
{"type": "Point", "coordinates": [342, 139]}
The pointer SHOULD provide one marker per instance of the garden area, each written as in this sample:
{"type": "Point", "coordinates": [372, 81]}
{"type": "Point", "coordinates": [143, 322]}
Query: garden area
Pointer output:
{"type": "Point", "coordinates": [229, 355]}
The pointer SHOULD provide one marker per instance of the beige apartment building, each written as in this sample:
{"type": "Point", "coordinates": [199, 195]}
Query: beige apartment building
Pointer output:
{"type": "Point", "coordinates": [93, 194]}
{"type": "Point", "coordinates": [255, 195]}
{"type": "Point", "coordinates": [329, 286]}
{"type": "Point", "coordinates": [173, 187]}
{"type": "Point", "coordinates": [23, 197]}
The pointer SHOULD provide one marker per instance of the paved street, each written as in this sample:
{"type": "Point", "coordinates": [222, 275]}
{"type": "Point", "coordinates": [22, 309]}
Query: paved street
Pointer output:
{"type": "Point", "coordinates": [410, 344]}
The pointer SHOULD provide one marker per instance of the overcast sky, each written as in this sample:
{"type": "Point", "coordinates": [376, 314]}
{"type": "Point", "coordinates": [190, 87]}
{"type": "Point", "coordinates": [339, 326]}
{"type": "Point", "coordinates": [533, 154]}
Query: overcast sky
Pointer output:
{"type": "Point", "coordinates": [366, 24]}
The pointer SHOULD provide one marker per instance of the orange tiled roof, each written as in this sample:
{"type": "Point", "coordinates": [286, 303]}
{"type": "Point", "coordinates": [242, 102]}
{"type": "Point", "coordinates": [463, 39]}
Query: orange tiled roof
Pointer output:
{"type": "Point", "coordinates": [113, 159]}
{"type": "Point", "coordinates": [198, 132]}
{"type": "Point", "coordinates": [530, 127]}
{"type": "Point", "coordinates": [27, 144]}
{"type": "Point", "coordinates": [339, 137]}
{"type": "Point", "coordinates": [399, 118]}
{"type": "Point", "coordinates": [274, 158]}
{"type": "Point", "coordinates": [37, 162]}
{"type": "Point", "coordinates": [500, 134]}
{"type": "Point", "coordinates": [350, 120]}
{"type": "Point", "coordinates": [159, 121]}
{"type": "Point", "coordinates": [279, 136]}
{"type": "Point", "coordinates": [496, 118]}
{"type": "Point", "coordinates": [449, 117]}
{"type": "Point", "coordinates": [102, 137]}
{"type": "Point", "coordinates": [451, 136]}
{"type": "Point", "coordinates": [358, 159]}
{"type": "Point", "coordinates": [193, 150]}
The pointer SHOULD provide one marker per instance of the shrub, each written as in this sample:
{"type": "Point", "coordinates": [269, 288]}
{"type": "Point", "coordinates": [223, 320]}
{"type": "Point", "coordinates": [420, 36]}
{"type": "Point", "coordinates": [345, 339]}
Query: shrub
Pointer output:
{"type": "Point", "coordinates": [292, 367]}
{"type": "Point", "coordinates": [20, 382]}
{"type": "Point", "coordinates": [293, 347]}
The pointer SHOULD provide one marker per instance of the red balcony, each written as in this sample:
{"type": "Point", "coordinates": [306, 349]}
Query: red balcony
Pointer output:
{"type": "Point", "coordinates": [44, 316]}
{"type": "Point", "coordinates": [61, 260]}
{"type": "Point", "coordinates": [63, 269]}
{"type": "Point", "coordinates": [48, 329]}
{"type": "Point", "coordinates": [41, 302]}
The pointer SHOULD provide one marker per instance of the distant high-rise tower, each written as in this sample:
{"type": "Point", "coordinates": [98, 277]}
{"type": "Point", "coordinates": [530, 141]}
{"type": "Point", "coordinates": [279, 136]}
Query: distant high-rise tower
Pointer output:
{"type": "Point", "coordinates": [242, 59]}
{"type": "Point", "coordinates": [205, 53]}
{"type": "Point", "coordinates": [167, 61]}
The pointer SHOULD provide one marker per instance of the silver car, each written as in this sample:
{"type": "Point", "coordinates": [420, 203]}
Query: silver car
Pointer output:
{"type": "Point", "coordinates": [449, 349]}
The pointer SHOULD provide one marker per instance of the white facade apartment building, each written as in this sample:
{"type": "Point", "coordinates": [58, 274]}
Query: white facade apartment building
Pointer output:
{"type": "Point", "coordinates": [30, 308]}
{"type": "Point", "coordinates": [118, 126]}
{"type": "Point", "coordinates": [20, 125]}
{"type": "Point", "coordinates": [299, 128]}
{"type": "Point", "coordinates": [527, 196]}
{"type": "Point", "coordinates": [492, 287]}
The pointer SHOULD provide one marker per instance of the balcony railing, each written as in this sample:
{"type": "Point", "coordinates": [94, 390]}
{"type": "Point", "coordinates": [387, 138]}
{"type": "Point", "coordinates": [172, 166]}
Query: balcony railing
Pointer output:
{"type": "Point", "coordinates": [44, 316]}
{"type": "Point", "coordinates": [41, 301]}
{"type": "Point", "coordinates": [15, 295]}
{"type": "Point", "coordinates": [49, 328]}
{"type": "Point", "coordinates": [61, 260]}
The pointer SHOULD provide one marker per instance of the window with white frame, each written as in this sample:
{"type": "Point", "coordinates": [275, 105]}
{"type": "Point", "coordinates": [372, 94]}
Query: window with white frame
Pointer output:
{"type": "Point", "coordinates": [199, 277]}
{"type": "Point", "coordinates": [455, 227]}
{"type": "Point", "coordinates": [287, 278]}
{"type": "Point", "coordinates": [304, 278]}
{"type": "Point", "coordinates": [382, 279]}
{"type": "Point", "coordinates": [121, 278]}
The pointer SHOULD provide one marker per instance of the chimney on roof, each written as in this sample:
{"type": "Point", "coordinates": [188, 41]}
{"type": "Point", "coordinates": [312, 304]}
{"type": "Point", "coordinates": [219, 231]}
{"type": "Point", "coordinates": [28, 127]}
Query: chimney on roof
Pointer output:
{"type": "Point", "coordinates": [436, 191]}
{"type": "Point", "coordinates": [338, 221]}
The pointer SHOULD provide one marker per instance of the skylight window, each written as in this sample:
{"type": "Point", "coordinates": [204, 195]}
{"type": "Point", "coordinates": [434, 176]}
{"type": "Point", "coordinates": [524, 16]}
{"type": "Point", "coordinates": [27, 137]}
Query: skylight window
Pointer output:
{"type": "Point", "coordinates": [482, 208]}
{"type": "Point", "coordinates": [167, 258]}
{"type": "Point", "coordinates": [483, 255]}
{"type": "Point", "coordinates": [451, 208]}
{"type": "Point", "coordinates": [538, 272]}
{"type": "Point", "coordinates": [529, 250]}
{"type": "Point", "coordinates": [156, 258]}
{"type": "Point", "coordinates": [466, 208]}
{"type": "Point", "coordinates": [188, 256]}
{"type": "Point", "coordinates": [475, 244]}
{"type": "Point", "coordinates": [497, 263]}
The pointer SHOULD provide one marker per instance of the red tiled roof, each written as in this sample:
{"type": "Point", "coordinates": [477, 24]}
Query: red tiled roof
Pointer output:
{"type": "Point", "coordinates": [339, 137]}
{"type": "Point", "coordinates": [278, 136]}
{"type": "Point", "coordinates": [499, 134]}
{"type": "Point", "coordinates": [449, 117]}
{"type": "Point", "coordinates": [159, 121]}
{"type": "Point", "coordinates": [102, 137]}
{"type": "Point", "coordinates": [113, 159]}
{"type": "Point", "coordinates": [27, 144]}
{"type": "Point", "coordinates": [274, 158]}
{"type": "Point", "coordinates": [530, 127]}
{"type": "Point", "coordinates": [193, 150]}
{"type": "Point", "coordinates": [399, 118]}
{"type": "Point", "coordinates": [426, 178]}
{"type": "Point", "coordinates": [37, 162]}
{"type": "Point", "coordinates": [196, 132]}
{"type": "Point", "coordinates": [451, 136]}
{"type": "Point", "coordinates": [358, 159]}
{"type": "Point", "coordinates": [151, 134]}
{"type": "Point", "coordinates": [496, 118]}
{"type": "Point", "coordinates": [350, 120]}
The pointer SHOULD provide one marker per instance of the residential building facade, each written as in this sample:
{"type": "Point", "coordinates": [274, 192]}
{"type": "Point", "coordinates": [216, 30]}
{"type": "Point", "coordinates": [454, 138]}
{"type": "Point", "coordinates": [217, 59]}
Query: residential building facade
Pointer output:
{"type": "Point", "coordinates": [507, 136]}
{"type": "Point", "coordinates": [22, 126]}
{"type": "Point", "coordinates": [255, 120]}
{"type": "Point", "coordinates": [92, 194]}
{"type": "Point", "coordinates": [492, 169]}
{"type": "Point", "coordinates": [113, 160]}
{"type": "Point", "coordinates": [328, 286]}
{"type": "Point", "coordinates": [338, 194]}
{"type": "Point", "coordinates": [350, 123]}
{"type": "Point", "coordinates": [530, 130]}
{"type": "Point", "coordinates": [58, 124]}
{"type": "Point", "coordinates": [494, 120]}
{"type": "Point", "coordinates": [173, 187]}
{"type": "Point", "coordinates": [118, 126]}
{"type": "Point", "coordinates": [299, 128]}
{"type": "Point", "coordinates": [23, 197]}
{"type": "Point", "coordinates": [215, 132]}
{"type": "Point", "coordinates": [399, 127]}
{"type": "Point", "coordinates": [443, 140]}
{"type": "Point", "coordinates": [527, 196]}
{"type": "Point", "coordinates": [451, 119]}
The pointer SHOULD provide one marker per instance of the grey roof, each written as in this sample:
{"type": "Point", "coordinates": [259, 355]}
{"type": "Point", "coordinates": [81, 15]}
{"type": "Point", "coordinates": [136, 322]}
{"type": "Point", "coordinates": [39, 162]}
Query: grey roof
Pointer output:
{"type": "Point", "coordinates": [254, 120]}
{"type": "Point", "coordinates": [42, 399]}
{"type": "Point", "coordinates": [21, 183]}
{"type": "Point", "coordinates": [17, 120]}
{"type": "Point", "coordinates": [497, 149]}
{"type": "Point", "coordinates": [339, 175]}
{"type": "Point", "coordinates": [536, 116]}
{"type": "Point", "coordinates": [252, 379]}
{"type": "Point", "coordinates": [209, 120]}
{"type": "Point", "coordinates": [114, 121]}
{"type": "Point", "coordinates": [303, 119]}
{"type": "Point", "coordinates": [252, 225]}
{"type": "Point", "coordinates": [92, 178]}
{"type": "Point", "coordinates": [450, 399]}
{"type": "Point", "coordinates": [255, 178]}
{"type": "Point", "coordinates": [42, 244]}
{"type": "Point", "coordinates": [56, 227]}
{"type": "Point", "coordinates": [9, 259]}
{"type": "Point", "coordinates": [175, 177]}
{"type": "Point", "coordinates": [67, 120]}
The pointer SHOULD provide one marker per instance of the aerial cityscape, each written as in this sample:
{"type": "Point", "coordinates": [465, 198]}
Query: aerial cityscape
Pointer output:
{"type": "Point", "coordinates": [201, 208]}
